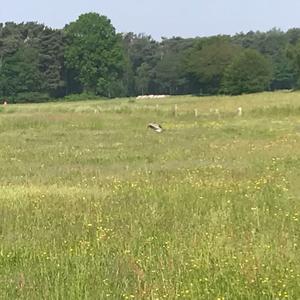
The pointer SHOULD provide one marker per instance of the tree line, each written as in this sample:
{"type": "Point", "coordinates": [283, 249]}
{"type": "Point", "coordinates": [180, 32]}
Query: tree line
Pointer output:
{"type": "Point", "coordinates": [38, 63]}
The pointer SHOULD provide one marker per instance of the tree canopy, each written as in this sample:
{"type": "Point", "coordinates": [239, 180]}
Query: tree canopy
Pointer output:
{"type": "Point", "coordinates": [38, 63]}
{"type": "Point", "coordinates": [207, 61]}
{"type": "Point", "coordinates": [249, 72]}
{"type": "Point", "coordinates": [94, 52]}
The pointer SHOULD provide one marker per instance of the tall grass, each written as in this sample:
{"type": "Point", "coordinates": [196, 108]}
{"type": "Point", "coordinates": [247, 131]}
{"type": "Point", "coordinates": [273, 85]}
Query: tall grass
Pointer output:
{"type": "Point", "coordinates": [93, 205]}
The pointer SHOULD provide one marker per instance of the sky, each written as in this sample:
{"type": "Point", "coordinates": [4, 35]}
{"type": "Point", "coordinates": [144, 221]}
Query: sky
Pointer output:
{"type": "Point", "coordinates": [162, 18]}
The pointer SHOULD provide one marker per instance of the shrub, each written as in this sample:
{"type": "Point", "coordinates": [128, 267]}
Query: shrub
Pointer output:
{"type": "Point", "coordinates": [30, 97]}
{"type": "Point", "coordinates": [81, 96]}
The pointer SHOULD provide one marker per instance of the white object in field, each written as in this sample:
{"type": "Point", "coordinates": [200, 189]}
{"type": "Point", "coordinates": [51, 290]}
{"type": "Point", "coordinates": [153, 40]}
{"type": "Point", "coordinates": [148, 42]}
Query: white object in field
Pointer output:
{"type": "Point", "coordinates": [156, 127]}
{"type": "Point", "coordinates": [239, 111]}
{"type": "Point", "coordinates": [151, 96]}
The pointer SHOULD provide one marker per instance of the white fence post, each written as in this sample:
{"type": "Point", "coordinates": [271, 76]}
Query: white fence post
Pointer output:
{"type": "Point", "coordinates": [175, 110]}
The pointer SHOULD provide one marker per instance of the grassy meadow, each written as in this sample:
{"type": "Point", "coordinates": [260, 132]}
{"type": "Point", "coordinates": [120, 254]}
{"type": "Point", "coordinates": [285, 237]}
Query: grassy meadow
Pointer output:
{"type": "Point", "coordinates": [93, 205]}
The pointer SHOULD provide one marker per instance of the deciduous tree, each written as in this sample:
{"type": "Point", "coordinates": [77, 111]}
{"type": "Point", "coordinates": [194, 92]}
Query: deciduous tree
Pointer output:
{"type": "Point", "coordinates": [94, 51]}
{"type": "Point", "coordinates": [249, 72]}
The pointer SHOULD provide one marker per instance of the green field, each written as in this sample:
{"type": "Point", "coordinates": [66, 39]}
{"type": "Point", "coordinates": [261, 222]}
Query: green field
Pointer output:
{"type": "Point", "coordinates": [93, 205]}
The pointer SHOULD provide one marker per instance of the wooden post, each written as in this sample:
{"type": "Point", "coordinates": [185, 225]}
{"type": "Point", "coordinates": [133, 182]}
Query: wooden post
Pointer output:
{"type": "Point", "coordinates": [175, 110]}
{"type": "Point", "coordinates": [196, 112]}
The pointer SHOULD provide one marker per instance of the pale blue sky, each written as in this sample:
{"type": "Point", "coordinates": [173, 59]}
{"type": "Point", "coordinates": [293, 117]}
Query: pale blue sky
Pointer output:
{"type": "Point", "coordinates": [186, 18]}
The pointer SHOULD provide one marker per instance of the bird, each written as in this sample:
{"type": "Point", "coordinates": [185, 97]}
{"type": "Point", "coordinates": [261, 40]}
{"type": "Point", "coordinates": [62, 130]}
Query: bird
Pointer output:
{"type": "Point", "coordinates": [156, 127]}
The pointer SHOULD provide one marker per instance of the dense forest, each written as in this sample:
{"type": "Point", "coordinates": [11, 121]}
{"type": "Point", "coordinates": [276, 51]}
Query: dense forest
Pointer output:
{"type": "Point", "coordinates": [88, 57]}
